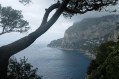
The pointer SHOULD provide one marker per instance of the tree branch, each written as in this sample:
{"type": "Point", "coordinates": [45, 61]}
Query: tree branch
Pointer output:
{"type": "Point", "coordinates": [83, 6]}
{"type": "Point", "coordinates": [45, 18]}
{"type": "Point", "coordinates": [77, 11]}
{"type": "Point", "coordinates": [13, 48]}
{"type": "Point", "coordinates": [2, 33]}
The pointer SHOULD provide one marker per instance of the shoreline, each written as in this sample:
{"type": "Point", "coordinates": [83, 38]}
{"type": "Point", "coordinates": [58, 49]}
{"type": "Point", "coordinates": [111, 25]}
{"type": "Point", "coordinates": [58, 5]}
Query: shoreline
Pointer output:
{"type": "Point", "coordinates": [92, 56]}
{"type": "Point", "coordinates": [87, 53]}
{"type": "Point", "coordinates": [66, 48]}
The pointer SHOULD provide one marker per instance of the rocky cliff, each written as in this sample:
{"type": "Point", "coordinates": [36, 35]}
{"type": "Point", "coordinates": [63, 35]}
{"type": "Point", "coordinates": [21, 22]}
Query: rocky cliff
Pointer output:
{"type": "Point", "coordinates": [88, 33]}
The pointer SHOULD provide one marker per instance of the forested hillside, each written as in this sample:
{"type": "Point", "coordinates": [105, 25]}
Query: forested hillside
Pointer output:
{"type": "Point", "coordinates": [106, 64]}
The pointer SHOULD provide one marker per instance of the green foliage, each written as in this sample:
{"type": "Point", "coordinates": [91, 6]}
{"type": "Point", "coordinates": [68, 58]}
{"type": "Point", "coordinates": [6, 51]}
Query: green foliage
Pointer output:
{"type": "Point", "coordinates": [109, 69]}
{"type": "Point", "coordinates": [106, 64]}
{"type": "Point", "coordinates": [104, 50]}
{"type": "Point", "coordinates": [93, 66]}
{"type": "Point", "coordinates": [83, 6]}
{"type": "Point", "coordinates": [21, 69]}
{"type": "Point", "coordinates": [12, 20]}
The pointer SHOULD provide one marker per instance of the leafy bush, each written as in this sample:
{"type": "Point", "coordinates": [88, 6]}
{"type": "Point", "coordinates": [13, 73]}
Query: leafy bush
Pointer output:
{"type": "Point", "coordinates": [21, 69]}
{"type": "Point", "coordinates": [106, 64]}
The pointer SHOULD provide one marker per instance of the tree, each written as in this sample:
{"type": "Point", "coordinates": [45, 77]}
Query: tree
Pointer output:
{"type": "Point", "coordinates": [106, 64]}
{"type": "Point", "coordinates": [106, 70]}
{"type": "Point", "coordinates": [67, 7]}
{"type": "Point", "coordinates": [11, 20]}
{"type": "Point", "coordinates": [21, 69]}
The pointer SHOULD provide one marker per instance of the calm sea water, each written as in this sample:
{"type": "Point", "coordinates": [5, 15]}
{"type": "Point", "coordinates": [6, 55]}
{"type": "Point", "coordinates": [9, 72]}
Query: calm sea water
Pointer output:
{"type": "Point", "coordinates": [53, 63]}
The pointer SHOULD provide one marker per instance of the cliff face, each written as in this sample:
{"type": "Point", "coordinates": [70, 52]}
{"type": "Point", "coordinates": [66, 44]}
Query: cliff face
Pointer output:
{"type": "Point", "coordinates": [89, 32]}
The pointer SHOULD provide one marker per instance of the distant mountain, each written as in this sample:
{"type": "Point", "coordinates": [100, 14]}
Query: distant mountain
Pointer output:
{"type": "Point", "coordinates": [88, 33]}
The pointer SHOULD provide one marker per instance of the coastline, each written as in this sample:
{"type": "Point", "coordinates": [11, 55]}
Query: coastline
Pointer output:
{"type": "Point", "coordinates": [87, 53]}
{"type": "Point", "coordinates": [92, 56]}
{"type": "Point", "coordinates": [67, 48]}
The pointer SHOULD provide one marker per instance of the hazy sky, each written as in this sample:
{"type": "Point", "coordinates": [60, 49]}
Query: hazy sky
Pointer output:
{"type": "Point", "coordinates": [34, 12]}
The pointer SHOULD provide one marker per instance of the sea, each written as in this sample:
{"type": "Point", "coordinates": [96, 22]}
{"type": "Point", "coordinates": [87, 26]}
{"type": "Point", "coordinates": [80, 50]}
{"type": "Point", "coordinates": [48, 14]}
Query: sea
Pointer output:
{"type": "Point", "coordinates": [53, 63]}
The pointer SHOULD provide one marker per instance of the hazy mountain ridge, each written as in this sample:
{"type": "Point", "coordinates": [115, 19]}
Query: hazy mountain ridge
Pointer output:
{"type": "Point", "coordinates": [88, 33]}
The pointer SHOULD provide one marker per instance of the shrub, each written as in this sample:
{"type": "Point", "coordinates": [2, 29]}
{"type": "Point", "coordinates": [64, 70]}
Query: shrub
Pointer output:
{"type": "Point", "coordinates": [21, 69]}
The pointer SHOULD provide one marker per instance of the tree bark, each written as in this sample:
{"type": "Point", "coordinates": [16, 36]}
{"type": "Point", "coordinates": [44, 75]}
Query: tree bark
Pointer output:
{"type": "Point", "coordinates": [8, 50]}
{"type": "Point", "coordinates": [3, 66]}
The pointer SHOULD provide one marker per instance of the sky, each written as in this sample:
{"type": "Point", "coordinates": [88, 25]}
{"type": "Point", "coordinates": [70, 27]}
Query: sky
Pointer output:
{"type": "Point", "coordinates": [34, 12]}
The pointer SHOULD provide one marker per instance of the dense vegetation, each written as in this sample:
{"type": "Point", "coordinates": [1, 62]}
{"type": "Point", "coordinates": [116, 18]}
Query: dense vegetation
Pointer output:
{"type": "Point", "coordinates": [21, 69]}
{"type": "Point", "coordinates": [106, 64]}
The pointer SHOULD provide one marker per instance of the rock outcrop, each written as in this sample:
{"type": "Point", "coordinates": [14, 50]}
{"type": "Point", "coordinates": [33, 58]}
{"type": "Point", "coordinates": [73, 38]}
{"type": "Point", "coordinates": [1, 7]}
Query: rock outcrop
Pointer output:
{"type": "Point", "coordinates": [88, 33]}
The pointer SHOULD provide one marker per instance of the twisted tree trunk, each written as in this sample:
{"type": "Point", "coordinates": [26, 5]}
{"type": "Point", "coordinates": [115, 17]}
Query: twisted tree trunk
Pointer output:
{"type": "Point", "coordinates": [8, 50]}
{"type": "Point", "coordinates": [3, 65]}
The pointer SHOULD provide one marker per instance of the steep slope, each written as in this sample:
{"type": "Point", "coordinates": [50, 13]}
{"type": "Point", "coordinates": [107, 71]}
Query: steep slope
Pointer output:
{"type": "Point", "coordinates": [106, 64]}
{"type": "Point", "coordinates": [88, 33]}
